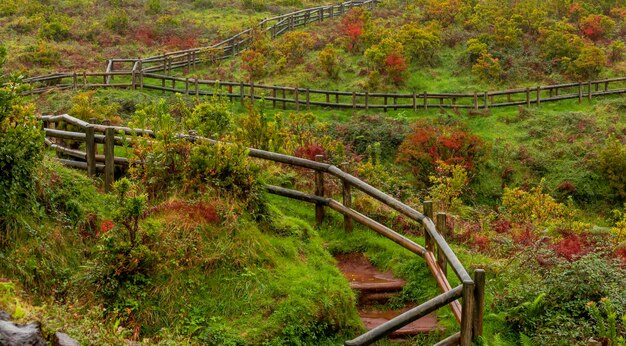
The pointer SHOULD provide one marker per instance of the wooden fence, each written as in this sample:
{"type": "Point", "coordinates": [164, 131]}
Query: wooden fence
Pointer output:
{"type": "Point", "coordinates": [305, 98]}
{"type": "Point", "coordinates": [437, 253]}
{"type": "Point", "coordinates": [234, 45]}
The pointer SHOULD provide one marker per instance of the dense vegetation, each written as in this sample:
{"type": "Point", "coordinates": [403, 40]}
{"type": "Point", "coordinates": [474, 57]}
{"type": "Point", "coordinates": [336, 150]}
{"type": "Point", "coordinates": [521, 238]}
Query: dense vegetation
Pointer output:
{"type": "Point", "coordinates": [189, 249]}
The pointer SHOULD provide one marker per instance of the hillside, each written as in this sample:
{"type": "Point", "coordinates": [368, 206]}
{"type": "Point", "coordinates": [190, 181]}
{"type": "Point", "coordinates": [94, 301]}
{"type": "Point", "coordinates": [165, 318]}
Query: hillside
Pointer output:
{"type": "Point", "coordinates": [190, 248]}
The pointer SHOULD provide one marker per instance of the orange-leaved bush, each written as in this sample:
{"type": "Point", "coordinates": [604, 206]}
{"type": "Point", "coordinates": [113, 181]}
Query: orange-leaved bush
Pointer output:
{"type": "Point", "coordinates": [430, 142]}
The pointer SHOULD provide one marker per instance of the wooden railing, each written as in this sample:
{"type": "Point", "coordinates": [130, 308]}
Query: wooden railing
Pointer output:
{"type": "Point", "coordinates": [300, 99]}
{"type": "Point", "coordinates": [234, 45]}
{"type": "Point", "coordinates": [437, 253]}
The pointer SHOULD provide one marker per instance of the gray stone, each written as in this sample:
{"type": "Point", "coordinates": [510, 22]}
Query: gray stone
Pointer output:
{"type": "Point", "coordinates": [5, 316]}
{"type": "Point", "coordinates": [21, 335]}
{"type": "Point", "coordinates": [62, 339]}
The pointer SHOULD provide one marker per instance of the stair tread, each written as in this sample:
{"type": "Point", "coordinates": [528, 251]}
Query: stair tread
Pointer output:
{"type": "Point", "coordinates": [373, 319]}
{"type": "Point", "coordinates": [363, 276]}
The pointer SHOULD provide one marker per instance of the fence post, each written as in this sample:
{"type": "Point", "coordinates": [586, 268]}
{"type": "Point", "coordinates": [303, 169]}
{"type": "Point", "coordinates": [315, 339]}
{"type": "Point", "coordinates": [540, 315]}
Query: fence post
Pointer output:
{"type": "Point", "coordinates": [197, 88]}
{"type": "Point", "coordinates": [308, 99]}
{"type": "Point", "coordinates": [443, 230]}
{"type": "Point", "coordinates": [252, 92]}
{"type": "Point", "coordinates": [134, 78]}
{"type": "Point", "coordinates": [428, 211]}
{"type": "Point", "coordinates": [467, 313]}
{"type": "Point", "coordinates": [354, 100]}
{"type": "Point", "coordinates": [367, 96]}
{"type": "Point", "coordinates": [186, 86]}
{"type": "Point", "coordinates": [241, 93]}
{"type": "Point", "coordinates": [347, 199]}
{"type": "Point", "coordinates": [590, 92]}
{"type": "Point", "coordinates": [274, 97]}
{"type": "Point", "coordinates": [486, 100]}
{"type": "Point", "coordinates": [74, 80]}
{"type": "Point", "coordinates": [319, 191]}
{"type": "Point", "coordinates": [90, 150]}
{"type": "Point", "coordinates": [284, 99]}
{"type": "Point", "coordinates": [414, 102]}
{"type": "Point", "coordinates": [580, 92]}
{"type": "Point", "coordinates": [479, 302]}
{"type": "Point", "coordinates": [475, 100]}
{"type": "Point", "coordinates": [109, 161]}
{"type": "Point", "coordinates": [297, 98]}
{"type": "Point", "coordinates": [425, 100]}
{"type": "Point", "coordinates": [527, 97]}
{"type": "Point", "coordinates": [538, 96]}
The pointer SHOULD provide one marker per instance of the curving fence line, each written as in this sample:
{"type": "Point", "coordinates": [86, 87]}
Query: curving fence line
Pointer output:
{"type": "Point", "coordinates": [155, 73]}
{"type": "Point", "coordinates": [437, 253]}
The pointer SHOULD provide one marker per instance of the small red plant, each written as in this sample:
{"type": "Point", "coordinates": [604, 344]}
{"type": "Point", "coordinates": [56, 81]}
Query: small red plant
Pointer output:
{"type": "Point", "coordinates": [352, 26]}
{"type": "Point", "coordinates": [525, 237]}
{"type": "Point", "coordinates": [106, 226]}
{"type": "Point", "coordinates": [396, 67]}
{"type": "Point", "coordinates": [620, 253]}
{"type": "Point", "coordinates": [501, 225]}
{"type": "Point", "coordinates": [481, 241]}
{"type": "Point", "coordinates": [310, 151]}
{"type": "Point", "coordinates": [571, 247]}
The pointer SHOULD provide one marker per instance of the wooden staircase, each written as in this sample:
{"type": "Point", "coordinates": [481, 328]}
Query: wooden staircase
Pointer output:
{"type": "Point", "coordinates": [375, 290]}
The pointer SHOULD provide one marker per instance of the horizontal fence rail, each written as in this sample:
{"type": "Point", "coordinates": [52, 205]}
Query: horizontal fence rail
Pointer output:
{"type": "Point", "coordinates": [303, 99]}
{"type": "Point", "coordinates": [63, 130]}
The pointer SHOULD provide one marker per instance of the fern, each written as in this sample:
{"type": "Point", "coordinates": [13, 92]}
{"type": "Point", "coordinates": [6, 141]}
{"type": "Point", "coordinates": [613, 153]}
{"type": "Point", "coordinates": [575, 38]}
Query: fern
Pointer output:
{"type": "Point", "coordinates": [525, 340]}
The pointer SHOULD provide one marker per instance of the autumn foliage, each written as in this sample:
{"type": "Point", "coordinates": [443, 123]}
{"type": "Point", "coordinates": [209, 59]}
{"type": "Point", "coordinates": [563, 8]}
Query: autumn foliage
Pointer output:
{"type": "Point", "coordinates": [353, 27]}
{"type": "Point", "coordinates": [431, 142]}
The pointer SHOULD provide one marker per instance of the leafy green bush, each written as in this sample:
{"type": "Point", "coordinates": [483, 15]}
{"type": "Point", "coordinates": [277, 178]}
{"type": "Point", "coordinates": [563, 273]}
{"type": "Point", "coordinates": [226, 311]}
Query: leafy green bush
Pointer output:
{"type": "Point", "coordinates": [611, 163]}
{"type": "Point", "coordinates": [43, 54]}
{"type": "Point", "coordinates": [555, 305]}
{"type": "Point", "coordinates": [55, 29]}
{"type": "Point", "coordinates": [212, 118]}
{"type": "Point", "coordinates": [117, 21]}
{"type": "Point", "coordinates": [21, 150]}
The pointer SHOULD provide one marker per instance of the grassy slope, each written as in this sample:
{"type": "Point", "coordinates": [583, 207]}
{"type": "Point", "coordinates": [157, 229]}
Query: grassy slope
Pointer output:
{"type": "Point", "coordinates": [234, 282]}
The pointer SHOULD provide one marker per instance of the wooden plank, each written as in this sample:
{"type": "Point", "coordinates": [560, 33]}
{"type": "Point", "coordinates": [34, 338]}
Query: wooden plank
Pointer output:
{"type": "Point", "coordinates": [90, 150]}
{"type": "Point", "coordinates": [428, 212]}
{"type": "Point", "coordinates": [347, 200]}
{"type": "Point", "coordinates": [479, 303]}
{"type": "Point", "coordinates": [443, 229]}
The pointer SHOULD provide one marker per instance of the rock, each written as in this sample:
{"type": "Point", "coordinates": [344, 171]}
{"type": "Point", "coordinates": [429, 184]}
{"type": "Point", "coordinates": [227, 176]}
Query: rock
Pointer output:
{"type": "Point", "coordinates": [21, 335]}
{"type": "Point", "coordinates": [4, 316]}
{"type": "Point", "coordinates": [62, 339]}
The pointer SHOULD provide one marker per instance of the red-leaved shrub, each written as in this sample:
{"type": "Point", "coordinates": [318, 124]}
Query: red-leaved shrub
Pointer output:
{"type": "Point", "coordinates": [571, 247]}
{"type": "Point", "coordinates": [309, 151]}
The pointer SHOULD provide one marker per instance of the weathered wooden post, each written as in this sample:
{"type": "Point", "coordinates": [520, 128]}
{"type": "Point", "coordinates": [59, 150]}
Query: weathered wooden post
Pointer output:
{"type": "Point", "coordinates": [241, 94]}
{"type": "Point", "coordinates": [197, 87]}
{"type": "Point", "coordinates": [297, 99]}
{"type": "Point", "coordinates": [443, 230]}
{"type": "Point", "coordinates": [319, 191]}
{"type": "Point", "coordinates": [425, 100]}
{"type": "Point", "coordinates": [580, 92]}
{"type": "Point", "coordinates": [475, 100]}
{"type": "Point", "coordinates": [590, 92]}
{"type": "Point", "coordinates": [538, 96]}
{"type": "Point", "coordinates": [90, 150]}
{"type": "Point", "coordinates": [109, 158]}
{"type": "Point", "coordinates": [284, 99]}
{"type": "Point", "coordinates": [354, 100]}
{"type": "Point", "coordinates": [486, 100]}
{"type": "Point", "coordinates": [414, 102]}
{"type": "Point", "coordinates": [347, 199]}
{"type": "Point", "coordinates": [479, 302]}
{"type": "Point", "coordinates": [527, 97]}
{"type": "Point", "coordinates": [252, 92]}
{"type": "Point", "coordinates": [467, 313]}
{"type": "Point", "coordinates": [274, 97]}
{"type": "Point", "coordinates": [428, 211]}
{"type": "Point", "coordinates": [367, 107]}
{"type": "Point", "coordinates": [187, 86]}
{"type": "Point", "coordinates": [308, 99]}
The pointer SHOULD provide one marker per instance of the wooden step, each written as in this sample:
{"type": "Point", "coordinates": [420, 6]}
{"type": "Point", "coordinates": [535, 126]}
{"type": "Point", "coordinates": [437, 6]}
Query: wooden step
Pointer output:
{"type": "Point", "coordinates": [372, 319]}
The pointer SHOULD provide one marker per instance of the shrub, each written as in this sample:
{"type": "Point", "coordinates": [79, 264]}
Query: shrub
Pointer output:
{"type": "Point", "coordinates": [43, 54]}
{"type": "Point", "coordinates": [329, 60]}
{"type": "Point", "coordinates": [256, 5]}
{"type": "Point", "coordinates": [294, 46]}
{"type": "Point", "coordinates": [353, 26]}
{"type": "Point", "coordinates": [117, 21]}
{"type": "Point", "coordinates": [488, 68]}
{"type": "Point", "coordinates": [448, 185]}
{"type": "Point", "coordinates": [85, 106]}
{"type": "Point", "coordinates": [475, 49]}
{"type": "Point", "coordinates": [395, 68]}
{"type": "Point", "coordinates": [555, 306]}
{"type": "Point", "coordinates": [596, 26]}
{"type": "Point", "coordinates": [21, 151]}
{"type": "Point", "coordinates": [431, 142]}
{"type": "Point", "coordinates": [535, 208]}
{"type": "Point", "coordinates": [253, 62]}
{"type": "Point", "coordinates": [420, 44]}
{"type": "Point", "coordinates": [616, 51]}
{"type": "Point", "coordinates": [365, 130]}
{"type": "Point", "coordinates": [227, 168]}
{"type": "Point", "coordinates": [589, 63]}
{"type": "Point", "coordinates": [154, 7]}
{"type": "Point", "coordinates": [211, 119]}
{"type": "Point", "coordinates": [54, 30]}
{"type": "Point", "coordinates": [611, 163]}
